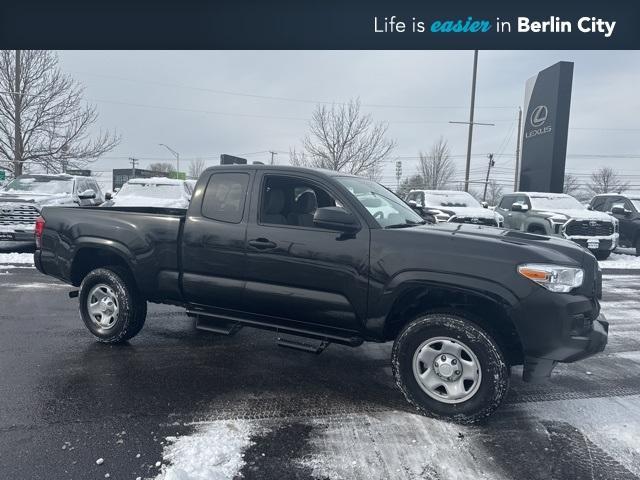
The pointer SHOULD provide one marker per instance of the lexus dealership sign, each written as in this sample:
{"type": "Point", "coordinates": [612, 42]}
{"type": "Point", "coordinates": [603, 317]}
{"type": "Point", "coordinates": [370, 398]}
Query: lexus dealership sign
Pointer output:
{"type": "Point", "coordinates": [546, 126]}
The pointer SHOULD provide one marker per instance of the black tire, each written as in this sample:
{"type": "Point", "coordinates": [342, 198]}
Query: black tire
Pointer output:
{"type": "Point", "coordinates": [132, 307]}
{"type": "Point", "coordinates": [602, 254]}
{"type": "Point", "coordinates": [495, 373]}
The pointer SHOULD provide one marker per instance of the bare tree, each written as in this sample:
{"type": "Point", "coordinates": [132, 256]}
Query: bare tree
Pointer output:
{"type": "Point", "coordinates": [572, 185]}
{"type": "Point", "coordinates": [196, 167]}
{"type": "Point", "coordinates": [162, 167]}
{"type": "Point", "coordinates": [436, 166]}
{"type": "Point", "coordinates": [494, 192]}
{"type": "Point", "coordinates": [606, 180]}
{"type": "Point", "coordinates": [43, 119]}
{"type": "Point", "coordinates": [414, 182]}
{"type": "Point", "coordinates": [344, 139]}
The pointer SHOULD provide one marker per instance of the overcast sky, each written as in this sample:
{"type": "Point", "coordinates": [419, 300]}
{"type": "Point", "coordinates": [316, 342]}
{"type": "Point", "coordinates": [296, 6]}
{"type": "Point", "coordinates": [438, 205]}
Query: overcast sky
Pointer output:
{"type": "Point", "coordinates": [203, 104]}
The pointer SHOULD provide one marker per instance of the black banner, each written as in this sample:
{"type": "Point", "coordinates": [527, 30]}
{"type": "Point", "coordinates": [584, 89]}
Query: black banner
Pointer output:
{"type": "Point", "coordinates": [312, 24]}
{"type": "Point", "coordinates": [545, 129]}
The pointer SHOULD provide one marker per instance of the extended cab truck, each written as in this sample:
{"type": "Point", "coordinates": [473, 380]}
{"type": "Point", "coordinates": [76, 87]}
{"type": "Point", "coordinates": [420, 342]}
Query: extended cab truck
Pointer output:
{"type": "Point", "coordinates": [338, 258]}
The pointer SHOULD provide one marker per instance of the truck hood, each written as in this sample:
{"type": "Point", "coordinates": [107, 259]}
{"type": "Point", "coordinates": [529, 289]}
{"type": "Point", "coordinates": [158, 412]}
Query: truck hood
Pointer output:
{"type": "Point", "coordinates": [467, 212]}
{"type": "Point", "coordinates": [40, 199]}
{"type": "Point", "coordinates": [578, 214]}
{"type": "Point", "coordinates": [497, 243]}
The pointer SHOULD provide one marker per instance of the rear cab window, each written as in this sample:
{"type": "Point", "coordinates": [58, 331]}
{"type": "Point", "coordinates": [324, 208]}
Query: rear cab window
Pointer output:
{"type": "Point", "coordinates": [225, 197]}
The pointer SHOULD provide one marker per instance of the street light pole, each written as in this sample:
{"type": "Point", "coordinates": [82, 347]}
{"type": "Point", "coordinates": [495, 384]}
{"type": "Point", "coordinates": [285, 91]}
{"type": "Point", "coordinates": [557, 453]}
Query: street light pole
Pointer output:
{"type": "Point", "coordinates": [175, 154]}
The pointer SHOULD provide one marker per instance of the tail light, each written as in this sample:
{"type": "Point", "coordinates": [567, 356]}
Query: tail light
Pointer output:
{"type": "Point", "coordinates": [38, 231]}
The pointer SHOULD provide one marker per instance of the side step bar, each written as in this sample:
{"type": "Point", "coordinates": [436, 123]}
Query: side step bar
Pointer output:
{"type": "Point", "coordinates": [304, 346]}
{"type": "Point", "coordinates": [224, 322]}
{"type": "Point", "coordinates": [221, 327]}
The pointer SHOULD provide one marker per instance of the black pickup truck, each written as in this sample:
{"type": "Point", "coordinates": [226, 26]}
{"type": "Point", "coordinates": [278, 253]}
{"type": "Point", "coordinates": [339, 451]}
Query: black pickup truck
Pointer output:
{"type": "Point", "coordinates": [328, 257]}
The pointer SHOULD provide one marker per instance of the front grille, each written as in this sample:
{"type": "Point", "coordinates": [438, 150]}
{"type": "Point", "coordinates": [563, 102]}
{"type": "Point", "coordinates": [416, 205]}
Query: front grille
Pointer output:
{"type": "Point", "coordinates": [474, 221]}
{"type": "Point", "coordinates": [12, 214]}
{"type": "Point", "coordinates": [589, 228]}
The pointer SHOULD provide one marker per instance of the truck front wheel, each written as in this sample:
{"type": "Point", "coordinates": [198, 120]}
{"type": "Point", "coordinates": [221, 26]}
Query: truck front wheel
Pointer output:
{"type": "Point", "coordinates": [449, 367]}
{"type": "Point", "coordinates": [111, 306]}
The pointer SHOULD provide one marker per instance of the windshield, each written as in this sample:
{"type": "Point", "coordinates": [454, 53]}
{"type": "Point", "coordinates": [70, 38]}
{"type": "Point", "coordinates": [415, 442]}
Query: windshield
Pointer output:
{"type": "Point", "coordinates": [553, 203]}
{"type": "Point", "coordinates": [43, 185]}
{"type": "Point", "coordinates": [151, 190]}
{"type": "Point", "coordinates": [450, 199]}
{"type": "Point", "coordinates": [383, 205]}
{"type": "Point", "coordinates": [636, 203]}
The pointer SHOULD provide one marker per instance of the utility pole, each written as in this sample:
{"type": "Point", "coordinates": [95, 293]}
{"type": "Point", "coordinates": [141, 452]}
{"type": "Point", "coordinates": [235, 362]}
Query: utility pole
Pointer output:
{"type": "Point", "coordinates": [486, 182]}
{"type": "Point", "coordinates": [17, 104]}
{"type": "Point", "coordinates": [517, 175]}
{"type": "Point", "coordinates": [471, 123]}
{"type": "Point", "coordinates": [133, 162]}
{"type": "Point", "coordinates": [471, 110]}
{"type": "Point", "coordinates": [273, 154]}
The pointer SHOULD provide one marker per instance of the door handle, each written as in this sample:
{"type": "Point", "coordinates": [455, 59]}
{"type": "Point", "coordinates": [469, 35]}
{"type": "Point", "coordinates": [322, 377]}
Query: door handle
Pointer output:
{"type": "Point", "coordinates": [262, 244]}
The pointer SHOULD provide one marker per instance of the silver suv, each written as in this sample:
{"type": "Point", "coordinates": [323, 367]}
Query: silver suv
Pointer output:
{"type": "Point", "coordinates": [22, 199]}
{"type": "Point", "coordinates": [560, 215]}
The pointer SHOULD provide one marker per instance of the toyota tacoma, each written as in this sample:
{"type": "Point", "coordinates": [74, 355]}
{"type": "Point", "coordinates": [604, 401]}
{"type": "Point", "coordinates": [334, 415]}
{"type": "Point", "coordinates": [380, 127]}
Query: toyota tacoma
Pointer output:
{"type": "Point", "coordinates": [331, 258]}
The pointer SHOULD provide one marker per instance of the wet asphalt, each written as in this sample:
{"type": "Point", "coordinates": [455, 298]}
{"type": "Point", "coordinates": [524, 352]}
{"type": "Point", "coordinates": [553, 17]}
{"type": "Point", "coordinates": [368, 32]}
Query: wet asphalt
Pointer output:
{"type": "Point", "coordinates": [66, 401]}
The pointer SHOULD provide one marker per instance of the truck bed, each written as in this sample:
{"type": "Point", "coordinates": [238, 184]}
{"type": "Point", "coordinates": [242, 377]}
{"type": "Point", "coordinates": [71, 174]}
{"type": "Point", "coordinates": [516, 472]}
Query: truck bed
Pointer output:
{"type": "Point", "coordinates": [146, 238]}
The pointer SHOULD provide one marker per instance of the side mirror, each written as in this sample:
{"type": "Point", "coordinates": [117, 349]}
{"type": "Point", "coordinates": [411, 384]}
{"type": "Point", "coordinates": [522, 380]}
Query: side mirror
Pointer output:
{"type": "Point", "coordinates": [88, 194]}
{"type": "Point", "coordinates": [618, 210]}
{"type": "Point", "coordinates": [485, 205]}
{"type": "Point", "coordinates": [335, 218]}
{"type": "Point", "coordinates": [108, 196]}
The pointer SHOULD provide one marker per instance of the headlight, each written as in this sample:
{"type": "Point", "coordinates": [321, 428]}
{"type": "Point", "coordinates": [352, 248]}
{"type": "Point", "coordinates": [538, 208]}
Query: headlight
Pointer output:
{"type": "Point", "coordinates": [557, 219]}
{"type": "Point", "coordinates": [553, 277]}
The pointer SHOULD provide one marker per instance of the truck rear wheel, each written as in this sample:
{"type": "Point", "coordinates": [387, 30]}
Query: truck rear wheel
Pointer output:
{"type": "Point", "coordinates": [449, 367]}
{"type": "Point", "coordinates": [111, 306]}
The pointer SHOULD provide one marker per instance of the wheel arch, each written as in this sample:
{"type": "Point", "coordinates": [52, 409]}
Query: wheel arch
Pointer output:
{"type": "Point", "coordinates": [489, 310]}
{"type": "Point", "coordinates": [96, 253]}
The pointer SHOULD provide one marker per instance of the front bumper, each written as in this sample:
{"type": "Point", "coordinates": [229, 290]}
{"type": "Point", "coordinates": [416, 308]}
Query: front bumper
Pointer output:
{"type": "Point", "coordinates": [17, 235]}
{"type": "Point", "coordinates": [609, 242]}
{"type": "Point", "coordinates": [558, 327]}
{"type": "Point", "coordinates": [537, 369]}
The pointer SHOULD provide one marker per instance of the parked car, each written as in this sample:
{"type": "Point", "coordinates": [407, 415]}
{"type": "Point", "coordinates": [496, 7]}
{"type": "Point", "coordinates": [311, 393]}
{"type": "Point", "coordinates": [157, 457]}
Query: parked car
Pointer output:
{"type": "Point", "coordinates": [152, 192]}
{"type": "Point", "coordinates": [330, 257]}
{"type": "Point", "coordinates": [452, 206]}
{"type": "Point", "coordinates": [626, 209]}
{"type": "Point", "coordinates": [560, 215]}
{"type": "Point", "coordinates": [22, 199]}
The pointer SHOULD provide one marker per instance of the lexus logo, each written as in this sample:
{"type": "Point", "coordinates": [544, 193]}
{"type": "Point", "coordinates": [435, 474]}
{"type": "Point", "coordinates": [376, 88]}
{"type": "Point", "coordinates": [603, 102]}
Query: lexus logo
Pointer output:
{"type": "Point", "coordinates": [593, 223]}
{"type": "Point", "coordinates": [539, 116]}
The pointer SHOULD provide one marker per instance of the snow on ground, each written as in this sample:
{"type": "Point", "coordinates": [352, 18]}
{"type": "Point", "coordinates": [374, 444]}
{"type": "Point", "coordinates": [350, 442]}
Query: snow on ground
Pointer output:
{"type": "Point", "coordinates": [621, 261]}
{"type": "Point", "coordinates": [397, 445]}
{"type": "Point", "coordinates": [611, 423]}
{"type": "Point", "coordinates": [22, 258]}
{"type": "Point", "coordinates": [214, 452]}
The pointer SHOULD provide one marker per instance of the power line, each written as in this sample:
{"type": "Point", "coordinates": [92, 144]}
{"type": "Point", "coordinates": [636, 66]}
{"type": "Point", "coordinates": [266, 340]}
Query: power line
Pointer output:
{"type": "Point", "coordinates": [288, 99]}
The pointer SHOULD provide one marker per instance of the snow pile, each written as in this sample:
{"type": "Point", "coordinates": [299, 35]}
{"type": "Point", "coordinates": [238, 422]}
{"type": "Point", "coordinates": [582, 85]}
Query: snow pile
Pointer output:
{"type": "Point", "coordinates": [22, 258]}
{"type": "Point", "coordinates": [214, 452]}
{"type": "Point", "coordinates": [618, 261]}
